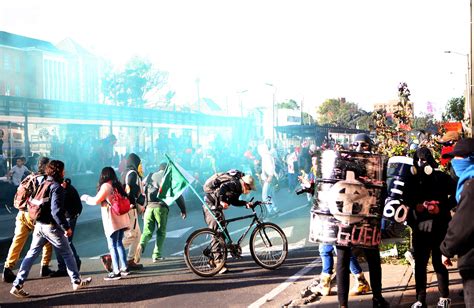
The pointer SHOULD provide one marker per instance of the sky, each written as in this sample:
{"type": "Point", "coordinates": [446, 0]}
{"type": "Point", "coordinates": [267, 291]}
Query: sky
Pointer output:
{"type": "Point", "coordinates": [308, 50]}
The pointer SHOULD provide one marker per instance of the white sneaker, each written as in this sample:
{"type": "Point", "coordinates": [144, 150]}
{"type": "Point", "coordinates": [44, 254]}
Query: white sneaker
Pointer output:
{"type": "Point", "coordinates": [444, 302]}
{"type": "Point", "coordinates": [19, 292]}
{"type": "Point", "coordinates": [81, 284]}
{"type": "Point", "coordinates": [223, 270]}
{"type": "Point", "coordinates": [418, 304]}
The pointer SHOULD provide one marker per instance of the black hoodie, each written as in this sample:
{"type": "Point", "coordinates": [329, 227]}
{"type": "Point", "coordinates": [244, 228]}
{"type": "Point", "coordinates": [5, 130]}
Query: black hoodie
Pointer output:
{"type": "Point", "coordinates": [133, 161]}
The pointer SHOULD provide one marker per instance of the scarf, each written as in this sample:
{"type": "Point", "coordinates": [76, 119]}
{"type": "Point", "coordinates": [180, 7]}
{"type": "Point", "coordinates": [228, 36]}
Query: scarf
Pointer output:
{"type": "Point", "coordinates": [464, 169]}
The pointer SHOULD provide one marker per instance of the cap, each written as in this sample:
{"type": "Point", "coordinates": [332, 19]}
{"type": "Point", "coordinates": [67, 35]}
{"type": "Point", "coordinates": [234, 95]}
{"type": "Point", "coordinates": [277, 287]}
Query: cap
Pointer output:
{"type": "Point", "coordinates": [449, 136]}
{"type": "Point", "coordinates": [464, 148]}
{"type": "Point", "coordinates": [248, 179]}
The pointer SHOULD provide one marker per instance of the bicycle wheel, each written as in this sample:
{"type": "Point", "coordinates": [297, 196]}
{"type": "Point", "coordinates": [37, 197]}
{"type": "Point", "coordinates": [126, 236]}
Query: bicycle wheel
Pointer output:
{"type": "Point", "coordinates": [268, 245]}
{"type": "Point", "coordinates": [205, 252]}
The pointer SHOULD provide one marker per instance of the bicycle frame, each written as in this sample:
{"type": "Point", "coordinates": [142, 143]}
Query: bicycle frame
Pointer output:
{"type": "Point", "coordinates": [252, 223]}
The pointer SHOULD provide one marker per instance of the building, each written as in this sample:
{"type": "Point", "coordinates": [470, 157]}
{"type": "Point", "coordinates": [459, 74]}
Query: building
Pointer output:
{"type": "Point", "coordinates": [390, 106]}
{"type": "Point", "coordinates": [33, 68]}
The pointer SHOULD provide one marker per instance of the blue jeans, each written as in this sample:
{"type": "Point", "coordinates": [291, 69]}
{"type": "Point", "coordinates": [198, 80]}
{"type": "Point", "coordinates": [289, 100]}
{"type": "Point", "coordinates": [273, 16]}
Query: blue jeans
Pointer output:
{"type": "Point", "coordinates": [41, 235]}
{"type": "Point", "coordinates": [326, 254]}
{"type": "Point", "coordinates": [267, 191]}
{"type": "Point", "coordinates": [61, 263]}
{"type": "Point", "coordinates": [117, 251]}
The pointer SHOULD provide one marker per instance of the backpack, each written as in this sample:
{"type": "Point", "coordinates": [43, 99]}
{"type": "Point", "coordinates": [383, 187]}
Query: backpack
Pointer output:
{"type": "Point", "coordinates": [215, 181]}
{"type": "Point", "coordinates": [120, 205]}
{"type": "Point", "coordinates": [38, 199]}
{"type": "Point", "coordinates": [26, 188]}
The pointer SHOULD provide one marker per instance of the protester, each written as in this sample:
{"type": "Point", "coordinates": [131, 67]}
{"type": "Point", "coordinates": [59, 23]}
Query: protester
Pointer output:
{"type": "Point", "coordinates": [156, 214]}
{"type": "Point", "coordinates": [114, 225]}
{"type": "Point", "coordinates": [18, 172]}
{"type": "Point", "coordinates": [24, 225]}
{"type": "Point", "coordinates": [223, 195]}
{"type": "Point", "coordinates": [430, 200]}
{"type": "Point", "coordinates": [51, 226]}
{"type": "Point", "coordinates": [362, 143]}
{"type": "Point", "coordinates": [132, 180]}
{"type": "Point", "coordinates": [73, 208]}
{"type": "Point", "coordinates": [292, 168]}
{"type": "Point", "coordinates": [268, 176]}
{"type": "Point", "coordinates": [458, 240]}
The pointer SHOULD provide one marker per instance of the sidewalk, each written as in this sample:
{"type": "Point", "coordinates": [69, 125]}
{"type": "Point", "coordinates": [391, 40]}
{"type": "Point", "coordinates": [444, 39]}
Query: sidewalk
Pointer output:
{"type": "Point", "coordinates": [398, 284]}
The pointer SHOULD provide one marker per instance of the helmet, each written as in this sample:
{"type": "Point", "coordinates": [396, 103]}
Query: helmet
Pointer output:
{"type": "Point", "coordinates": [248, 179]}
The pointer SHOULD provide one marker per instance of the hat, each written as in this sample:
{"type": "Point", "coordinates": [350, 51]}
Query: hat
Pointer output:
{"type": "Point", "coordinates": [449, 136]}
{"type": "Point", "coordinates": [464, 148]}
{"type": "Point", "coordinates": [248, 179]}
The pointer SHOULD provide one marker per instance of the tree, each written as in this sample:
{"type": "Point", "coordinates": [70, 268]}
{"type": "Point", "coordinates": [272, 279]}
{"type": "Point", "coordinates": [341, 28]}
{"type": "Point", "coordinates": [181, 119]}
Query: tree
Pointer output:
{"type": "Point", "coordinates": [337, 112]}
{"type": "Point", "coordinates": [425, 122]}
{"type": "Point", "coordinates": [130, 86]}
{"type": "Point", "coordinates": [288, 104]}
{"type": "Point", "coordinates": [454, 109]}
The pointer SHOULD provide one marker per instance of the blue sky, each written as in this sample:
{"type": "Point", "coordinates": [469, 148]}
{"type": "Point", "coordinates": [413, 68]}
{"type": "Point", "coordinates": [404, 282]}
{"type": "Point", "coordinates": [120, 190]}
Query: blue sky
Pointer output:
{"type": "Point", "coordinates": [309, 50]}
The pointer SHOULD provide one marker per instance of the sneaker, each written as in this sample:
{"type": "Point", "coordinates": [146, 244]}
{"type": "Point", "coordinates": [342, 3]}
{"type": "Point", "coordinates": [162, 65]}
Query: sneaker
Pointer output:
{"type": "Point", "coordinates": [19, 292]}
{"type": "Point", "coordinates": [409, 257]}
{"type": "Point", "coordinates": [113, 276]}
{"type": "Point", "coordinates": [223, 270]}
{"type": "Point", "coordinates": [156, 260]}
{"type": "Point", "coordinates": [59, 273]}
{"type": "Point", "coordinates": [419, 304]}
{"type": "Point", "coordinates": [124, 272]}
{"type": "Point", "coordinates": [444, 302]}
{"type": "Point", "coordinates": [134, 266]}
{"type": "Point", "coordinates": [45, 271]}
{"type": "Point", "coordinates": [106, 262]}
{"type": "Point", "coordinates": [380, 302]}
{"type": "Point", "coordinates": [81, 284]}
{"type": "Point", "coordinates": [8, 275]}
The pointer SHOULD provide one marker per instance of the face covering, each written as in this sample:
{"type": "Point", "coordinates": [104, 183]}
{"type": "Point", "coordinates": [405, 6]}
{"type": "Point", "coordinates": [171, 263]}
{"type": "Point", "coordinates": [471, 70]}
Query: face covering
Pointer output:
{"type": "Point", "coordinates": [461, 164]}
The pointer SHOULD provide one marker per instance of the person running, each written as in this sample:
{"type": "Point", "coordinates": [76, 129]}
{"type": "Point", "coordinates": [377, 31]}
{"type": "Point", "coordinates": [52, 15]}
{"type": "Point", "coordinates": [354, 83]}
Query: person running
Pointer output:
{"type": "Point", "coordinates": [114, 225]}
{"type": "Point", "coordinates": [51, 226]}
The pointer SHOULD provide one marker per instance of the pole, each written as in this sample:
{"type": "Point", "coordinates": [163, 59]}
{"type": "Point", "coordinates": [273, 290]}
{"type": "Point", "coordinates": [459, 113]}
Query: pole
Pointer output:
{"type": "Point", "coordinates": [273, 118]}
{"type": "Point", "coordinates": [199, 109]}
{"type": "Point", "coordinates": [470, 97]}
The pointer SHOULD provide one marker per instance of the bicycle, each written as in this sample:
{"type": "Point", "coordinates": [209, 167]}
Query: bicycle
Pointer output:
{"type": "Point", "coordinates": [206, 250]}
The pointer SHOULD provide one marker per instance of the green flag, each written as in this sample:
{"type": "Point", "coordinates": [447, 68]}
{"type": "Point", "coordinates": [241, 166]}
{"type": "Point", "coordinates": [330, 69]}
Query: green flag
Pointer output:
{"type": "Point", "coordinates": [174, 182]}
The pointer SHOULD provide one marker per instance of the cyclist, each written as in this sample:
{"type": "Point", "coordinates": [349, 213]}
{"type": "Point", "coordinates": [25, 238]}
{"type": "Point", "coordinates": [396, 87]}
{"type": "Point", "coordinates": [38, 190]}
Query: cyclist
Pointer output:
{"type": "Point", "coordinates": [228, 192]}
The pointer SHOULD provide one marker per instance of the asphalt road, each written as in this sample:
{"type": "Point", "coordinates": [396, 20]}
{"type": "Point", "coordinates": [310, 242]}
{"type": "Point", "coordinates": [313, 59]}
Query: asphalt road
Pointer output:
{"type": "Point", "coordinates": [170, 283]}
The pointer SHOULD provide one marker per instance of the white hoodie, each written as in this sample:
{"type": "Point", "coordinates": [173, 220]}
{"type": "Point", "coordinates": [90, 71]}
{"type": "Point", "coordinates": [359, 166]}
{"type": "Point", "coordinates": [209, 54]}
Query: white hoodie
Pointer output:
{"type": "Point", "coordinates": [268, 161]}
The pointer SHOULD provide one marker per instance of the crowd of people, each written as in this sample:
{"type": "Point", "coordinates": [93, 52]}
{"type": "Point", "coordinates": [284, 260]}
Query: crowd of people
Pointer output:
{"type": "Point", "coordinates": [439, 215]}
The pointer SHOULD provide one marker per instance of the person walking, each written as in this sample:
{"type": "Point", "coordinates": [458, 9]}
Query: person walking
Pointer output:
{"type": "Point", "coordinates": [268, 177]}
{"type": "Point", "coordinates": [156, 214]}
{"type": "Point", "coordinates": [114, 225]}
{"type": "Point", "coordinates": [458, 240]}
{"type": "Point", "coordinates": [24, 225]}
{"type": "Point", "coordinates": [51, 226]}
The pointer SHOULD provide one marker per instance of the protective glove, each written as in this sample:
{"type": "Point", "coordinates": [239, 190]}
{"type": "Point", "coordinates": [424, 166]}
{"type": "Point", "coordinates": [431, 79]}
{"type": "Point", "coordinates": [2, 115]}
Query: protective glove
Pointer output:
{"type": "Point", "coordinates": [426, 225]}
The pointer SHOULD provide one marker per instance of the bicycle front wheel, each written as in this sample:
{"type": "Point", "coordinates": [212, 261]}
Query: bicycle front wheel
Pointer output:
{"type": "Point", "coordinates": [205, 252]}
{"type": "Point", "coordinates": [268, 246]}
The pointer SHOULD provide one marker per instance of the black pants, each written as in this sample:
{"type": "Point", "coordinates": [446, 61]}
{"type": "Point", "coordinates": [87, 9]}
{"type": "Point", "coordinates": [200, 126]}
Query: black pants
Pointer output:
{"type": "Point", "coordinates": [468, 287]}
{"type": "Point", "coordinates": [343, 277]}
{"type": "Point", "coordinates": [425, 243]}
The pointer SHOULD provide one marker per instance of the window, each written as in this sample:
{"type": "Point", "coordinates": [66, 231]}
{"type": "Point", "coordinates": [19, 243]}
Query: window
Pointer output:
{"type": "Point", "coordinates": [6, 62]}
{"type": "Point", "coordinates": [17, 91]}
{"type": "Point", "coordinates": [17, 64]}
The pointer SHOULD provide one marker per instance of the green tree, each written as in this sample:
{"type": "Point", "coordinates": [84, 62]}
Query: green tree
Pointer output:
{"type": "Point", "coordinates": [337, 112]}
{"type": "Point", "coordinates": [288, 104]}
{"type": "Point", "coordinates": [425, 122]}
{"type": "Point", "coordinates": [130, 86]}
{"type": "Point", "coordinates": [454, 109]}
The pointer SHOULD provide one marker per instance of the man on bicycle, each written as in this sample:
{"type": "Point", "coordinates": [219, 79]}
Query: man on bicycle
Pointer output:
{"type": "Point", "coordinates": [221, 191]}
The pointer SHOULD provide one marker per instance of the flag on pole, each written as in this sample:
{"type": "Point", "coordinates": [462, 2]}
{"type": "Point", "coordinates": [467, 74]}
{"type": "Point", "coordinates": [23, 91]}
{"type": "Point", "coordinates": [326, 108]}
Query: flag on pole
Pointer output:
{"type": "Point", "coordinates": [174, 182]}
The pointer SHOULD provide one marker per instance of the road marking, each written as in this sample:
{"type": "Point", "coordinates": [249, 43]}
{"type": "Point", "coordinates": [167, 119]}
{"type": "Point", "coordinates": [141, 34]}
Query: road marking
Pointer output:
{"type": "Point", "coordinates": [273, 293]}
{"type": "Point", "coordinates": [292, 210]}
{"type": "Point", "coordinates": [177, 233]}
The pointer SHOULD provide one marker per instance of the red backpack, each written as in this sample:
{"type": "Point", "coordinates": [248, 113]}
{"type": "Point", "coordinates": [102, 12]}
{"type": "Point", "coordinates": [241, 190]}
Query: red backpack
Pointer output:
{"type": "Point", "coordinates": [26, 189]}
{"type": "Point", "coordinates": [119, 204]}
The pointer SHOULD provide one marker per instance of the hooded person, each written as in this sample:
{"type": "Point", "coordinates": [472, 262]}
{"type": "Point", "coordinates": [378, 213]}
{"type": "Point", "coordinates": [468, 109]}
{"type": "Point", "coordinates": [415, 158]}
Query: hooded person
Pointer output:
{"type": "Point", "coordinates": [132, 181]}
{"type": "Point", "coordinates": [268, 176]}
{"type": "Point", "coordinates": [430, 199]}
{"type": "Point", "coordinates": [458, 240]}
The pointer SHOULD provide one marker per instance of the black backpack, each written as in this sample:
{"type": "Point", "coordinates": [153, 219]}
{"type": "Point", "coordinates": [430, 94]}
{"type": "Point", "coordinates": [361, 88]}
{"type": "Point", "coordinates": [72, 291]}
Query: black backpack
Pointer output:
{"type": "Point", "coordinates": [215, 181]}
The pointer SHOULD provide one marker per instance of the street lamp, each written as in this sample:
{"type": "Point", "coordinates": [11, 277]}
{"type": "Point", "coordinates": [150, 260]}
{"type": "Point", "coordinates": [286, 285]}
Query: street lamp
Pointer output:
{"type": "Point", "coordinates": [240, 101]}
{"type": "Point", "coordinates": [273, 111]}
{"type": "Point", "coordinates": [467, 103]}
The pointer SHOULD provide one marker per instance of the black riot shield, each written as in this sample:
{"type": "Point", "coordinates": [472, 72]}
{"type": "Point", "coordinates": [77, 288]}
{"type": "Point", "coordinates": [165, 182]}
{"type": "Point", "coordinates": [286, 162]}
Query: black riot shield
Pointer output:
{"type": "Point", "coordinates": [350, 192]}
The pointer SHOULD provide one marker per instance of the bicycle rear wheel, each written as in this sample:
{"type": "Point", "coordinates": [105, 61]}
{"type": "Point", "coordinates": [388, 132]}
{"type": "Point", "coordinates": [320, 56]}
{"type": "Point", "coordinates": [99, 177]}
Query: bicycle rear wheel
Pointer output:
{"type": "Point", "coordinates": [268, 245]}
{"type": "Point", "coordinates": [205, 252]}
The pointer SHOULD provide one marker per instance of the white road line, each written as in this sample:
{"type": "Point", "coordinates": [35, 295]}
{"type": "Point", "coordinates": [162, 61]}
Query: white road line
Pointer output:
{"type": "Point", "coordinates": [292, 210]}
{"type": "Point", "coordinates": [273, 293]}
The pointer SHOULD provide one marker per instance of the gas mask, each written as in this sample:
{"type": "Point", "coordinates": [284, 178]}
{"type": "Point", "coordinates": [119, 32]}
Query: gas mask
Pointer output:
{"type": "Point", "coordinates": [424, 167]}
